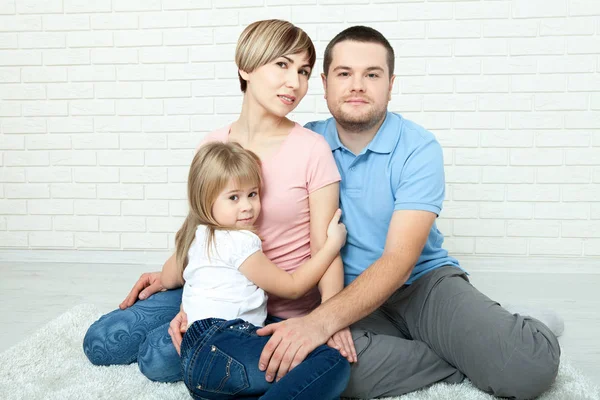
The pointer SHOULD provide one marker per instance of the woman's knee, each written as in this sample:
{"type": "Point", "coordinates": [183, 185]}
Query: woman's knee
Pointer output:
{"type": "Point", "coordinates": [110, 340]}
{"type": "Point", "coordinates": [116, 337]}
{"type": "Point", "coordinates": [157, 358]}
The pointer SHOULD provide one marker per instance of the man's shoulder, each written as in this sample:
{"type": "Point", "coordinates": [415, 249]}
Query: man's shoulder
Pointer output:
{"type": "Point", "coordinates": [413, 132]}
{"type": "Point", "coordinates": [319, 127]}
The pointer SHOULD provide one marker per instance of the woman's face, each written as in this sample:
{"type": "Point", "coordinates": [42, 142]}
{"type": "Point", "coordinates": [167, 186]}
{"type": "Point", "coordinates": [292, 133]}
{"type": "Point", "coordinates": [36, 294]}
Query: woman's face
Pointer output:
{"type": "Point", "coordinates": [279, 86]}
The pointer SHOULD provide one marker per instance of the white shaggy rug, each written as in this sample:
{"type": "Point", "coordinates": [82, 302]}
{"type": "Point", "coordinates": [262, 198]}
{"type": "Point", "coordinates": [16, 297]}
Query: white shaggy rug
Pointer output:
{"type": "Point", "coordinates": [51, 365]}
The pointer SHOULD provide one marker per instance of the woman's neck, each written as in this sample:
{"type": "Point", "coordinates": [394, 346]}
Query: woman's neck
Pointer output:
{"type": "Point", "coordinates": [254, 123]}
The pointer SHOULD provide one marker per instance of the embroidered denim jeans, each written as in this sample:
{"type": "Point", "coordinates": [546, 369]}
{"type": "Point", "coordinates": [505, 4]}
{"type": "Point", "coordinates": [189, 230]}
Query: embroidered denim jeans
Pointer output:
{"type": "Point", "coordinates": [220, 361]}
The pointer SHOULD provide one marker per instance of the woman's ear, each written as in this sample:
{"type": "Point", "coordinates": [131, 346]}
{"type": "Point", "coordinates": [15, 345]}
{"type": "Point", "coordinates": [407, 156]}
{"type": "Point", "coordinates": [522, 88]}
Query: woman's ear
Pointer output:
{"type": "Point", "coordinates": [244, 75]}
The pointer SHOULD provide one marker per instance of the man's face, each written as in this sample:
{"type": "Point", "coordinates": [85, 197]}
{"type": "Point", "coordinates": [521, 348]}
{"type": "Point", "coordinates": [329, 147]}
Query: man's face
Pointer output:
{"type": "Point", "coordinates": [358, 85]}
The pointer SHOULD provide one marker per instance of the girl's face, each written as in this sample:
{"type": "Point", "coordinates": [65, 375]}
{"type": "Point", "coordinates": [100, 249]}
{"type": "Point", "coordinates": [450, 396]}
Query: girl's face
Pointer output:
{"type": "Point", "coordinates": [279, 86]}
{"type": "Point", "coordinates": [237, 206]}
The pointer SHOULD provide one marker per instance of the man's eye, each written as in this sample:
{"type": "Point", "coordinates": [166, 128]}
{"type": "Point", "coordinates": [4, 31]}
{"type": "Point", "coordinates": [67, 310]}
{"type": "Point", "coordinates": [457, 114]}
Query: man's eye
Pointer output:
{"type": "Point", "coordinates": [373, 76]}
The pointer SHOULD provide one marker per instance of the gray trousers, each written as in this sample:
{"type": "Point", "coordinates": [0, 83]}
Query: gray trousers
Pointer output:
{"type": "Point", "coordinates": [441, 329]}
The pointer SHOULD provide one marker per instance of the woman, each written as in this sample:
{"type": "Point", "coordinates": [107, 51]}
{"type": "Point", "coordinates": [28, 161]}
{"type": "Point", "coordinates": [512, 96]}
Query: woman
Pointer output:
{"type": "Point", "coordinates": [300, 195]}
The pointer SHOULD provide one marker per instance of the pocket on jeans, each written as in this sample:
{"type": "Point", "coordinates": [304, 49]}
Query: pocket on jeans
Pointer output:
{"type": "Point", "coordinates": [220, 373]}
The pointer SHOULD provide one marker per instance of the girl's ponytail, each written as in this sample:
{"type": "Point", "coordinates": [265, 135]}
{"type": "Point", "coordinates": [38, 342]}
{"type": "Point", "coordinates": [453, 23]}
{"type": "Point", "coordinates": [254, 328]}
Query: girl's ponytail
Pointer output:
{"type": "Point", "coordinates": [184, 238]}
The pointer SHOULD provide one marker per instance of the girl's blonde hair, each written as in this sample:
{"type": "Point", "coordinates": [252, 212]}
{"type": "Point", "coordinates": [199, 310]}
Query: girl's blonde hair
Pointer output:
{"type": "Point", "coordinates": [213, 166]}
{"type": "Point", "coordinates": [264, 41]}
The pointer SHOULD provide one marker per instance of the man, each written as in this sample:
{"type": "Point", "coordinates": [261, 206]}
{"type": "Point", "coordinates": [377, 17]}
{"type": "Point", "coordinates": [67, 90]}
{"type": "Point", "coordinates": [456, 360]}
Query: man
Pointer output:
{"type": "Point", "coordinates": [416, 320]}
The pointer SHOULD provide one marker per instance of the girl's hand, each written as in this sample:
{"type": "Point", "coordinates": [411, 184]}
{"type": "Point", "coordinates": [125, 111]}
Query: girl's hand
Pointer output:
{"type": "Point", "coordinates": [336, 231]}
{"type": "Point", "coordinates": [177, 328]}
{"type": "Point", "coordinates": [342, 341]}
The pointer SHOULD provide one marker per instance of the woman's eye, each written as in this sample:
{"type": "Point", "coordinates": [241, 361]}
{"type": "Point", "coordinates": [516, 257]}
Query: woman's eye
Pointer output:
{"type": "Point", "coordinates": [282, 64]}
{"type": "Point", "coordinates": [304, 72]}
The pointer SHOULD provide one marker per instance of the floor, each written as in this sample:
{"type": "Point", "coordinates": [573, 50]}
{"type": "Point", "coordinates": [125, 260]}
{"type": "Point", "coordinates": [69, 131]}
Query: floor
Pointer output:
{"type": "Point", "coordinates": [32, 294]}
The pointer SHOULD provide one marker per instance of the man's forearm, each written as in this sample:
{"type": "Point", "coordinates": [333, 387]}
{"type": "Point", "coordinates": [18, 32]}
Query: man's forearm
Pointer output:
{"type": "Point", "coordinates": [363, 296]}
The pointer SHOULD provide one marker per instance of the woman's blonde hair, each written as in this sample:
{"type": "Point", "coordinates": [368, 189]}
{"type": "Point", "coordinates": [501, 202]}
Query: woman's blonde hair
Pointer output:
{"type": "Point", "coordinates": [264, 41]}
{"type": "Point", "coordinates": [213, 166]}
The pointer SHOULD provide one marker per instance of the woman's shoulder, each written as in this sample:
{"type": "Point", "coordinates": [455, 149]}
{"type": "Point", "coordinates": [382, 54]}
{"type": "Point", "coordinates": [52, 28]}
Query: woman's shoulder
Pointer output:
{"type": "Point", "coordinates": [218, 135]}
{"type": "Point", "coordinates": [307, 138]}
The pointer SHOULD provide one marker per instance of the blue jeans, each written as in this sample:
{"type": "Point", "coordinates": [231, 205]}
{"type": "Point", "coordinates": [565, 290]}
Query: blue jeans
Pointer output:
{"type": "Point", "coordinates": [140, 333]}
{"type": "Point", "coordinates": [220, 361]}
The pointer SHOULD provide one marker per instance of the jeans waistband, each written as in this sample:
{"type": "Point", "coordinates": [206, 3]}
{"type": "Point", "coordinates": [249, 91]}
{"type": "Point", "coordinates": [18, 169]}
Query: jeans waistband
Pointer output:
{"type": "Point", "coordinates": [200, 327]}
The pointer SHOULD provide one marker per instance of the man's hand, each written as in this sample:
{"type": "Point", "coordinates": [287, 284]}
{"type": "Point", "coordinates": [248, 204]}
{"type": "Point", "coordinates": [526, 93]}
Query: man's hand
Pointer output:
{"type": "Point", "coordinates": [148, 284]}
{"type": "Point", "coordinates": [177, 328]}
{"type": "Point", "coordinates": [291, 342]}
{"type": "Point", "coordinates": [342, 341]}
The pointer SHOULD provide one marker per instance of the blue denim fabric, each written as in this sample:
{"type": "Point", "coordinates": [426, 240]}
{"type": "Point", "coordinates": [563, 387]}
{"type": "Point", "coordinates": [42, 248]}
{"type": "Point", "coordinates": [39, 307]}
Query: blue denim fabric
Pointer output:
{"type": "Point", "coordinates": [140, 333]}
{"type": "Point", "coordinates": [220, 361]}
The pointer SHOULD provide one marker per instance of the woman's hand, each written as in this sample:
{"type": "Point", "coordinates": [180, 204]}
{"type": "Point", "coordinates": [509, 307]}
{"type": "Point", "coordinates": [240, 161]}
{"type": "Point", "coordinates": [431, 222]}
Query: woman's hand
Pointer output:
{"type": "Point", "coordinates": [177, 328]}
{"type": "Point", "coordinates": [148, 284]}
{"type": "Point", "coordinates": [342, 341]}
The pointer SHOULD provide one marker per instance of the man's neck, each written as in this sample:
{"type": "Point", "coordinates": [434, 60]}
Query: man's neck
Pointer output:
{"type": "Point", "coordinates": [356, 141]}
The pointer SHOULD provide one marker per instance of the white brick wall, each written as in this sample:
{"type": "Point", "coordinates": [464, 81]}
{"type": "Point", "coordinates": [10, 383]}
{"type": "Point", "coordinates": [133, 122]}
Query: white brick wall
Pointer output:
{"type": "Point", "coordinates": [102, 103]}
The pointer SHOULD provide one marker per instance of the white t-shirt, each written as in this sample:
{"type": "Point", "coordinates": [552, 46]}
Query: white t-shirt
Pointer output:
{"type": "Point", "coordinates": [214, 287]}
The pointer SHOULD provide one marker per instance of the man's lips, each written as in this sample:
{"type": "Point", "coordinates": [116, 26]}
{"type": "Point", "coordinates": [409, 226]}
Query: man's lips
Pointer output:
{"type": "Point", "coordinates": [357, 101]}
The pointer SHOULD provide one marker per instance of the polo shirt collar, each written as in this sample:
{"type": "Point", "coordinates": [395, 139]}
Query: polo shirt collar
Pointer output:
{"type": "Point", "coordinates": [331, 135]}
{"type": "Point", "coordinates": [381, 143]}
{"type": "Point", "coordinates": [385, 139]}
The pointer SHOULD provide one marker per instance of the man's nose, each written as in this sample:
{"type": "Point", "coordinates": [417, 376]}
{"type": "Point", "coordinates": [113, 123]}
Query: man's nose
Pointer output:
{"type": "Point", "coordinates": [358, 83]}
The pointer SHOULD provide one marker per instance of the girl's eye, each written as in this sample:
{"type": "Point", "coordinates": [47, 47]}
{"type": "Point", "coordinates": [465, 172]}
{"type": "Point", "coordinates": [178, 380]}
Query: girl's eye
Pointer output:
{"type": "Point", "coordinates": [233, 198]}
{"type": "Point", "coordinates": [253, 194]}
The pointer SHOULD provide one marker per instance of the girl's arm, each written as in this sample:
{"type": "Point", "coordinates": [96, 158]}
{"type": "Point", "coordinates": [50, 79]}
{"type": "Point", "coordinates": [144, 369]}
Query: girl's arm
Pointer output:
{"type": "Point", "coordinates": [269, 277]}
{"type": "Point", "coordinates": [171, 277]}
{"type": "Point", "coordinates": [323, 203]}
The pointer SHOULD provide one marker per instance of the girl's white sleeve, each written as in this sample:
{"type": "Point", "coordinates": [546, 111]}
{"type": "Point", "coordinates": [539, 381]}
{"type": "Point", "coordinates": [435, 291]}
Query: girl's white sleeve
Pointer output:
{"type": "Point", "coordinates": [241, 246]}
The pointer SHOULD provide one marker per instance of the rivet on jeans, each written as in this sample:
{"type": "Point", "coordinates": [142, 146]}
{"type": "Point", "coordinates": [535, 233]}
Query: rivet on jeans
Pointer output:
{"type": "Point", "coordinates": [213, 348]}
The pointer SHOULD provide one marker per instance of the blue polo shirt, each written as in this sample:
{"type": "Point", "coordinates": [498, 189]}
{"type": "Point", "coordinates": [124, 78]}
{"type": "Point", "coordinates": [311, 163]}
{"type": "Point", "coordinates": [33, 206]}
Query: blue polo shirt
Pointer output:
{"type": "Point", "coordinates": [402, 168]}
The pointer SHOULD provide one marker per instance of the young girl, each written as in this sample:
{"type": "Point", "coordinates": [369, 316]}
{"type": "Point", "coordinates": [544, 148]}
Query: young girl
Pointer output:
{"type": "Point", "coordinates": [225, 275]}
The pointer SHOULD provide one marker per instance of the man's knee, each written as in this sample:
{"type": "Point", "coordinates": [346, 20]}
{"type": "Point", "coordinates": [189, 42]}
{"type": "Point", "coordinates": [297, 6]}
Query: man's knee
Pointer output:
{"type": "Point", "coordinates": [524, 386]}
{"type": "Point", "coordinates": [532, 367]}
